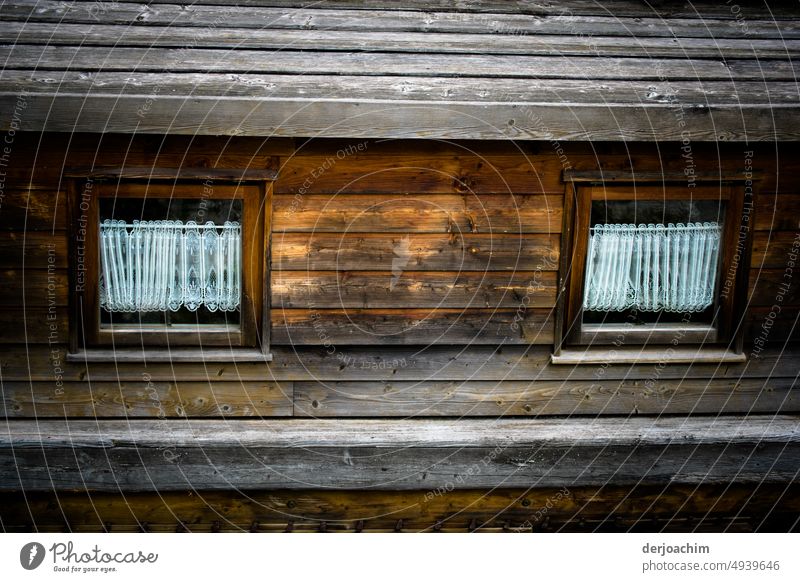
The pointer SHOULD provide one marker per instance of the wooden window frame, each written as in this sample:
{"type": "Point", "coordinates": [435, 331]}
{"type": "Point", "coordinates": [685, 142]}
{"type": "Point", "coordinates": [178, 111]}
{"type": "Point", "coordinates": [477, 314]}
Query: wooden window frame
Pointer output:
{"type": "Point", "coordinates": [89, 340]}
{"type": "Point", "coordinates": [581, 189]}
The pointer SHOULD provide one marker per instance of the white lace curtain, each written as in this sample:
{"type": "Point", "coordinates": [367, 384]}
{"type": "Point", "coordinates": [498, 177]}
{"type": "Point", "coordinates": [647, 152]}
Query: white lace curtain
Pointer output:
{"type": "Point", "coordinates": [652, 267]}
{"type": "Point", "coordinates": [165, 265]}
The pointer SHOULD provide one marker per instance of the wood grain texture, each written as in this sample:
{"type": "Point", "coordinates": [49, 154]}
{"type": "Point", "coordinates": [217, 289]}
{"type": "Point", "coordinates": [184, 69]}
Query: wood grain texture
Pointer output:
{"type": "Point", "coordinates": [413, 252]}
{"type": "Point", "coordinates": [33, 287]}
{"type": "Point", "coordinates": [33, 210]}
{"type": "Point", "coordinates": [288, 61]}
{"type": "Point", "coordinates": [767, 285]}
{"type": "Point", "coordinates": [422, 213]}
{"type": "Point", "coordinates": [388, 41]}
{"type": "Point", "coordinates": [146, 398]}
{"type": "Point", "coordinates": [461, 399]}
{"type": "Point", "coordinates": [401, 455]}
{"type": "Point", "coordinates": [776, 212]}
{"type": "Point", "coordinates": [35, 325]}
{"type": "Point", "coordinates": [255, 116]}
{"type": "Point", "coordinates": [621, 8]}
{"type": "Point", "coordinates": [446, 289]}
{"type": "Point", "coordinates": [393, 363]}
{"type": "Point", "coordinates": [325, 18]}
{"type": "Point", "coordinates": [672, 508]}
{"type": "Point", "coordinates": [775, 249]}
{"type": "Point", "coordinates": [341, 327]}
{"type": "Point", "coordinates": [33, 250]}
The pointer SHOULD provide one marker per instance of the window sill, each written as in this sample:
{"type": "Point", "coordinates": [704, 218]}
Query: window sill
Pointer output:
{"type": "Point", "coordinates": [170, 355]}
{"type": "Point", "coordinates": [660, 355]}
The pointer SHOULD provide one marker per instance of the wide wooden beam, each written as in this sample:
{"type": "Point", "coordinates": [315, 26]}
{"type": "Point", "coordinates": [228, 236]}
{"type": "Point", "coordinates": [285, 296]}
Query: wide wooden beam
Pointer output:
{"type": "Point", "coordinates": [293, 117]}
{"type": "Point", "coordinates": [433, 455]}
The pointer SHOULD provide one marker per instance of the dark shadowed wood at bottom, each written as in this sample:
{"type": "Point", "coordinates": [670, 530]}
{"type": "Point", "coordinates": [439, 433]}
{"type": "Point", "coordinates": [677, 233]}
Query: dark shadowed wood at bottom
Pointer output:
{"type": "Point", "coordinates": [676, 508]}
{"type": "Point", "coordinates": [148, 455]}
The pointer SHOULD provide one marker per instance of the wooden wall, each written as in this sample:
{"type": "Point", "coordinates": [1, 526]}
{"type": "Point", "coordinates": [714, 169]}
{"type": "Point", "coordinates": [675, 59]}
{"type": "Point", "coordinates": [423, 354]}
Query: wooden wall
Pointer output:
{"type": "Point", "coordinates": [408, 278]}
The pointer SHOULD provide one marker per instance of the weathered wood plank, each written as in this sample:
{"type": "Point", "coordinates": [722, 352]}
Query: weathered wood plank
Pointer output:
{"type": "Point", "coordinates": [35, 325]}
{"type": "Point", "coordinates": [147, 398]}
{"type": "Point", "coordinates": [422, 213]}
{"type": "Point", "coordinates": [370, 290]}
{"type": "Point", "coordinates": [654, 396]}
{"type": "Point", "coordinates": [620, 8]}
{"type": "Point", "coordinates": [380, 41]}
{"type": "Point", "coordinates": [777, 212]}
{"type": "Point", "coordinates": [33, 210]}
{"type": "Point", "coordinates": [376, 169]}
{"type": "Point", "coordinates": [404, 454]}
{"type": "Point", "coordinates": [775, 249]}
{"type": "Point", "coordinates": [396, 363]}
{"type": "Point", "coordinates": [413, 252]}
{"type": "Point", "coordinates": [774, 324]}
{"type": "Point", "coordinates": [337, 327]}
{"type": "Point", "coordinates": [34, 287]}
{"type": "Point", "coordinates": [121, 58]}
{"type": "Point", "coordinates": [677, 508]}
{"type": "Point", "coordinates": [427, 90]}
{"type": "Point", "coordinates": [34, 250]}
{"type": "Point", "coordinates": [766, 285]}
{"type": "Point", "coordinates": [297, 117]}
{"type": "Point", "coordinates": [325, 19]}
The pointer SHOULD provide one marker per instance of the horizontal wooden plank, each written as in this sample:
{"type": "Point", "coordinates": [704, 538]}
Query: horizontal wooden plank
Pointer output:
{"type": "Point", "coordinates": [373, 168]}
{"type": "Point", "coordinates": [33, 250]}
{"type": "Point", "coordinates": [403, 454]}
{"type": "Point", "coordinates": [32, 210]}
{"type": "Point", "coordinates": [424, 90]}
{"type": "Point", "coordinates": [325, 19]}
{"type": "Point", "coordinates": [413, 252]}
{"type": "Point", "coordinates": [777, 211]}
{"type": "Point", "coordinates": [774, 324]}
{"type": "Point", "coordinates": [129, 172]}
{"type": "Point", "coordinates": [33, 287]}
{"type": "Point", "coordinates": [147, 399]}
{"type": "Point", "coordinates": [340, 327]}
{"type": "Point", "coordinates": [121, 58]}
{"type": "Point", "coordinates": [671, 508]}
{"type": "Point", "coordinates": [770, 286]}
{"type": "Point", "coordinates": [552, 119]}
{"type": "Point", "coordinates": [35, 325]}
{"type": "Point", "coordinates": [423, 213]}
{"type": "Point", "coordinates": [381, 41]}
{"type": "Point", "coordinates": [620, 8]}
{"type": "Point", "coordinates": [369, 290]}
{"type": "Point", "coordinates": [371, 363]}
{"type": "Point", "coordinates": [407, 399]}
{"type": "Point", "coordinates": [775, 249]}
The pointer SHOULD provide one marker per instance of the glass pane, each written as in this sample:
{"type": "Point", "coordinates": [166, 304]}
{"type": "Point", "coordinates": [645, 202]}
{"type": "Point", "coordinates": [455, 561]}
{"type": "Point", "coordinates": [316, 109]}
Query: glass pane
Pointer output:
{"type": "Point", "coordinates": [170, 261]}
{"type": "Point", "coordinates": [653, 261]}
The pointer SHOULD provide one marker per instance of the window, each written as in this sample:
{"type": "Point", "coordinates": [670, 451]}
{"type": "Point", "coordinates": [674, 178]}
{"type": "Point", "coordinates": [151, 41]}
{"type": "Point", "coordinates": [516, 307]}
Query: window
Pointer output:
{"type": "Point", "coordinates": [652, 263]}
{"type": "Point", "coordinates": [167, 262]}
